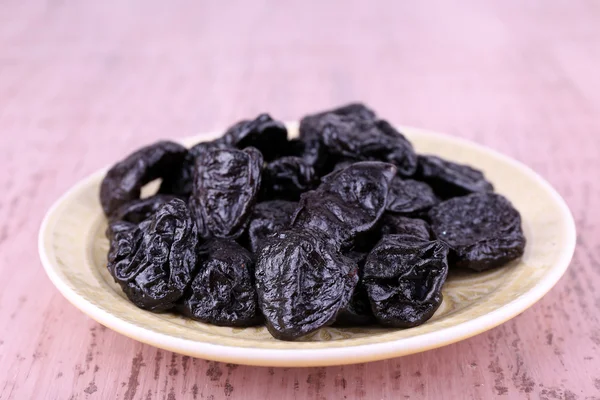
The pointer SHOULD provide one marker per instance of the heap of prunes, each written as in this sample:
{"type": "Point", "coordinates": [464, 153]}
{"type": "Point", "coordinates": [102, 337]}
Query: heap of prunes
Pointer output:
{"type": "Point", "coordinates": [344, 225]}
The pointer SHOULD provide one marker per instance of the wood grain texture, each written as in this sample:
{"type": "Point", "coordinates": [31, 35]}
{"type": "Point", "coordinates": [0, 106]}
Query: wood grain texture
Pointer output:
{"type": "Point", "coordinates": [83, 82]}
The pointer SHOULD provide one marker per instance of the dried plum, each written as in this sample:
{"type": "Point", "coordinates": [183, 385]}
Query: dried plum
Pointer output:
{"type": "Point", "coordinates": [179, 181]}
{"type": "Point", "coordinates": [410, 197]}
{"type": "Point", "coordinates": [449, 179]}
{"type": "Point", "coordinates": [223, 293]}
{"type": "Point", "coordinates": [287, 177]}
{"type": "Point", "coordinates": [390, 224]}
{"type": "Point", "coordinates": [368, 140]}
{"type": "Point", "coordinates": [347, 202]}
{"type": "Point", "coordinates": [154, 261]}
{"type": "Point", "coordinates": [302, 282]}
{"type": "Point", "coordinates": [404, 277]}
{"type": "Point", "coordinates": [138, 210]}
{"type": "Point", "coordinates": [316, 155]}
{"type": "Point", "coordinates": [204, 147]}
{"type": "Point", "coordinates": [269, 217]}
{"type": "Point", "coordinates": [337, 222]}
{"type": "Point", "coordinates": [393, 224]}
{"type": "Point", "coordinates": [483, 230]}
{"type": "Point", "coordinates": [294, 147]}
{"type": "Point", "coordinates": [358, 311]}
{"type": "Point", "coordinates": [309, 125]}
{"type": "Point", "coordinates": [263, 132]}
{"type": "Point", "coordinates": [343, 163]}
{"type": "Point", "coordinates": [226, 185]}
{"type": "Point", "coordinates": [358, 256]}
{"type": "Point", "coordinates": [124, 181]}
{"type": "Point", "coordinates": [355, 110]}
{"type": "Point", "coordinates": [311, 130]}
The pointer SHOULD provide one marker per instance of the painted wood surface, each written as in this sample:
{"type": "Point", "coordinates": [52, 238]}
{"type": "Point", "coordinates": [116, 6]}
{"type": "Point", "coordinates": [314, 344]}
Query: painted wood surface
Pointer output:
{"type": "Point", "coordinates": [84, 82]}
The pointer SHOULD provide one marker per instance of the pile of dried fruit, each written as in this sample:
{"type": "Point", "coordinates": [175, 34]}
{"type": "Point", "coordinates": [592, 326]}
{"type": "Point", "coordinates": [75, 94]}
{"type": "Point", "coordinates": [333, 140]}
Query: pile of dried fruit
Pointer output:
{"type": "Point", "coordinates": [345, 225]}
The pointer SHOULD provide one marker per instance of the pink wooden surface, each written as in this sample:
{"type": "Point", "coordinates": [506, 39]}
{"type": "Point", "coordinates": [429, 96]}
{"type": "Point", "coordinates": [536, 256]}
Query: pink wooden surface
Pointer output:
{"type": "Point", "coordinates": [84, 82]}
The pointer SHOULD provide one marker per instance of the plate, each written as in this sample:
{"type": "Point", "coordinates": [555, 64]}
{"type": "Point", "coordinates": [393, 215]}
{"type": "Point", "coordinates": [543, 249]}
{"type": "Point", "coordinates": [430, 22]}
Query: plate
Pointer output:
{"type": "Point", "coordinates": [73, 251]}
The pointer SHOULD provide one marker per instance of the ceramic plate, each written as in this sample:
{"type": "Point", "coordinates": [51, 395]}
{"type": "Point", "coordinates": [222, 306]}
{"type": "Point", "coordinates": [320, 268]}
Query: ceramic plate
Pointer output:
{"type": "Point", "coordinates": [73, 251]}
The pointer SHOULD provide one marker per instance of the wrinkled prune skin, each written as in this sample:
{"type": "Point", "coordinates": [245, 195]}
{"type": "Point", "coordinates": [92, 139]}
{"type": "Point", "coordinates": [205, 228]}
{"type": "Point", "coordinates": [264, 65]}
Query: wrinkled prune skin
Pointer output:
{"type": "Point", "coordinates": [449, 179]}
{"type": "Point", "coordinates": [368, 140]}
{"type": "Point", "coordinates": [154, 261]}
{"type": "Point", "coordinates": [226, 185]}
{"type": "Point", "coordinates": [347, 202]}
{"type": "Point", "coordinates": [316, 155]}
{"type": "Point", "coordinates": [311, 128]}
{"type": "Point", "coordinates": [137, 211]}
{"type": "Point", "coordinates": [312, 152]}
{"type": "Point", "coordinates": [268, 218]}
{"type": "Point", "coordinates": [393, 224]}
{"type": "Point", "coordinates": [204, 147]}
{"type": "Point", "coordinates": [223, 293]}
{"type": "Point", "coordinates": [483, 230]}
{"type": "Point", "coordinates": [315, 152]}
{"type": "Point", "coordinates": [309, 125]}
{"type": "Point", "coordinates": [390, 224]}
{"type": "Point", "coordinates": [343, 163]}
{"type": "Point", "coordinates": [287, 178]}
{"type": "Point", "coordinates": [404, 277]}
{"type": "Point", "coordinates": [179, 182]}
{"type": "Point", "coordinates": [410, 197]}
{"type": "Point", "coordinates": [263, 132]}
{"type": "Point", "coordinates": [358, 311]}
{"type": "Point", "coordinates": [302, 282]}
{"type": "Point", "coordinates": [124, 181]}
{"type": "Point", "coordinates": [358, 256]}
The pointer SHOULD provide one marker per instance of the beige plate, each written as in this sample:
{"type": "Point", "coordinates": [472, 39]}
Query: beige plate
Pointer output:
{"type": "Point", "coordinates": [73, 250]}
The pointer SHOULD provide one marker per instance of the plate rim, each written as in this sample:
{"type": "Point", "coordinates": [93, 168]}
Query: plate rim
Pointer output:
{"type": "Point", "coordinates": [338, 355]}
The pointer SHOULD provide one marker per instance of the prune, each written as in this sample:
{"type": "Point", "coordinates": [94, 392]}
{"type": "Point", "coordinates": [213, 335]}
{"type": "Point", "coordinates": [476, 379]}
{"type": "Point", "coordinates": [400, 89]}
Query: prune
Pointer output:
{"type": "Point", "coordinates": [393, 224]}
{"type": "Point", "coordinates": [269, 217]}
{"type": "Point", "coordinates": [302, 282]}
{"type": "Point", "coordinates": [154, 261]}
{"type": "Point", "coordinates": [404, 277]}
{"type": "Point", "coordinates": [223, 293]}
{"type": "Point", "coordinates": [337, 221]}
{"type": "Point", "coordinates": [315, 153]}
{"type": "Point", "coordinates": [483, 230]}
{"type": "Point", "coordinates": [358, 256]}
{"type": "Point", "coordinates": [358, 311]}
{"type": "Point", "coordinates": [204, 147]}
{"type": "Point", "coordinates": [343, 163]}
{"type": "Point", "coordinates": [263, 132]}
{"type": "Point", "coordinates": [410, 197]}
{"type": "Point", "coordinates": [347, 202]}
{"type": "Point", "coordinates": [449, 179]}
{"type": "Point", "coordinates": [293, 148]}
{"type": "Point", "coordinates": [124, 181]}
{"type": "Point", "coordinates": [390, 224]}
{"type": "Point", "coordinates": [179, 181]}
{"type": "Point", "coordinates": [287, 177]}
{"type": "Point", "coordinates": [138, 210]}
{"type": "Point", "coordinates": [309, 125]}
{"type": "Point", "coordinates": [312, 152]}
{"type": "Point", "coordinates": [226, 184]}
{"type": "Point", "coordinates": [368, 140]}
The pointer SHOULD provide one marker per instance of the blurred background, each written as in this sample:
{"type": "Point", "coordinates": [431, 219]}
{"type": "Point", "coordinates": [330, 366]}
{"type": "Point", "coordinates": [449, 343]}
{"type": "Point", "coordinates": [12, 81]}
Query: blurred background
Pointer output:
{"type": "Point", "coordinates": [82, 83]}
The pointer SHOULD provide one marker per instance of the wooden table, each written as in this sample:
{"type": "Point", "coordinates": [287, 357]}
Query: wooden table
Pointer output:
{"type": "Point", "coordinates": [84, 82]}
